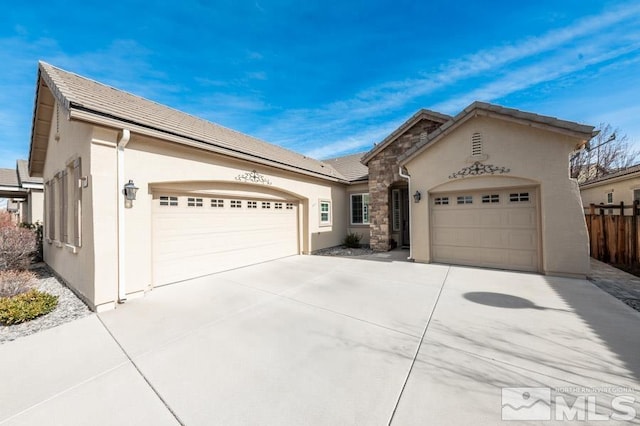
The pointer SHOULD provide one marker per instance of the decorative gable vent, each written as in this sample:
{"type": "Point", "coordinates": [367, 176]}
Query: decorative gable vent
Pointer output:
{"type": "Point", "coordinates": [476, 145]}
{"type": "Point", "coordinates": [423, 137]}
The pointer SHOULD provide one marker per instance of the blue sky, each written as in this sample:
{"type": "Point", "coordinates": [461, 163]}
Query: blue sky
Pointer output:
{"type": "Point", "coordinates": [330, 78]}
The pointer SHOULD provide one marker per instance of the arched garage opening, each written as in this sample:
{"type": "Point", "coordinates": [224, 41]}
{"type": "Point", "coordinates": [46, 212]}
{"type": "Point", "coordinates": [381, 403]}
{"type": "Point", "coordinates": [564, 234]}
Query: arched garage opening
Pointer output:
{"type": "Point", "coordinates": [200, 228]}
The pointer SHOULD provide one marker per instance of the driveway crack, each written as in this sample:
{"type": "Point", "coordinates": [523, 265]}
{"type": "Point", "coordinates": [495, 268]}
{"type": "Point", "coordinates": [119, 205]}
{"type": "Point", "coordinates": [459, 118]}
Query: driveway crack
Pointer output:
{"type": "Point", "coordinates": [415, 356]}
{"type": "Point", "coordinates": [173, 413]}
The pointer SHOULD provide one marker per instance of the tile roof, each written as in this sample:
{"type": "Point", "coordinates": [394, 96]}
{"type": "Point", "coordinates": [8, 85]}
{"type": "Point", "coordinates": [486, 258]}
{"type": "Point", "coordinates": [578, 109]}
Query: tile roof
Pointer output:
{"type": "Point", "coordinates": [78, 93]}
{"type": "Point", "coordinates": [413, 120]}
{"type": "Point", "coordinates": [350, 167]}
{"type": "Point", "coordinates": [9, 177]}
{"type": "Point", "coordinates": [582, 131]}
{"type": "Point", "coordinates": [23, 173]}
{"type": "Point", "coordinates": [620, 173]}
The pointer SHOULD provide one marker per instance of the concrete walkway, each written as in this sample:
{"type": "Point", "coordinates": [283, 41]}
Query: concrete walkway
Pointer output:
{"type": "Point", "coordinates": [323, 341]}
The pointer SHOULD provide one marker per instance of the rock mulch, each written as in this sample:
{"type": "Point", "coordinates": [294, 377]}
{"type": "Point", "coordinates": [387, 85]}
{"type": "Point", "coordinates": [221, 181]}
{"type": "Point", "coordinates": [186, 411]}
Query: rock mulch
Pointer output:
{"type": "Point", "coordinates": [69, 308]}
{"type": "Point", "coordinates": [344, 251]}
{"type": "Point", "coordinates": [618, 283]}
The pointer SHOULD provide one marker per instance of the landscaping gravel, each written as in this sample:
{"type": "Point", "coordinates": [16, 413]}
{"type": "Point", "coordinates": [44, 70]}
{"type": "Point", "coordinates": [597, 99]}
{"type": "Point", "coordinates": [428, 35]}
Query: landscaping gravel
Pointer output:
{"type": "Point", "coordinates": [69, 308]}
{"type": "Point", "coordinates": [344, 251]}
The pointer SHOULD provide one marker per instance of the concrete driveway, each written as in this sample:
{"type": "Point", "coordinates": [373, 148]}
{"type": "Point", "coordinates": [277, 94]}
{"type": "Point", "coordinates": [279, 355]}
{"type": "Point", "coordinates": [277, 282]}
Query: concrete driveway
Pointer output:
{"type": "Point", "coordinates": [318, 340]}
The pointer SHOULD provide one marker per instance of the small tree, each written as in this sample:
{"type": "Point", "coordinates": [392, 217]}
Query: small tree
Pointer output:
{"type": "Point", "coordinates": [610, 152]}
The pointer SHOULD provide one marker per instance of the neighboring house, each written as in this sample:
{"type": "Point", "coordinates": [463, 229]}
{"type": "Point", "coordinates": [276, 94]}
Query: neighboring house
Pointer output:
{"type": "Point", "coordinates": [32, 208]}
{"type": "Point", "coordinates": [621, 186]}
{"type": "Point", "coordinates": [489, 187]}
{"type": "Point", "coordinates": [25, 193]}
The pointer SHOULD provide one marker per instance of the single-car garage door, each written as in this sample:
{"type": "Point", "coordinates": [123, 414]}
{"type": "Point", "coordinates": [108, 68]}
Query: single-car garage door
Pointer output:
{"type": "Point", "coordinates": [195, 235]}
{"type": "Point", "coordinates": [490, 228]}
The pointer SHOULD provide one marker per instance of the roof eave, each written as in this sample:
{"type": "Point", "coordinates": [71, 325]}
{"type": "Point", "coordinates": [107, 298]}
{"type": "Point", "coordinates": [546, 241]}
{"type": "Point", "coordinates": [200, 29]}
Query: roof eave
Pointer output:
{"type": "Point", "coordinates": [476, 109]}
{"type": "Point", "coordinates": [414, 119]}
{"type": "Point", "coordinates": [95, 117]}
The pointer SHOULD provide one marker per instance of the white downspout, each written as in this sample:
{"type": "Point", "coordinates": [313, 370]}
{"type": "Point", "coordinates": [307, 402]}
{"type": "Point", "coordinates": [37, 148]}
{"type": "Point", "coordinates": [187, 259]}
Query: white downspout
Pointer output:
{"type": "Point", "coordinates": [408, 178]}
{"type": "Point", "coordinates": [122, 287]}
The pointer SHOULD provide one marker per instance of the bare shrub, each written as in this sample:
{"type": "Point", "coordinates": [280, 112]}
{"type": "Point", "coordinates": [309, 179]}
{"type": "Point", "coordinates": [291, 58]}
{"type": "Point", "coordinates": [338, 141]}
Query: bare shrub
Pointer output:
{"type": "Point", "coordinates": [13, 283]}
{"type": "Point", "coordinates": [5, 219]}
{"type": "Point", "coordinates": [17, 246]}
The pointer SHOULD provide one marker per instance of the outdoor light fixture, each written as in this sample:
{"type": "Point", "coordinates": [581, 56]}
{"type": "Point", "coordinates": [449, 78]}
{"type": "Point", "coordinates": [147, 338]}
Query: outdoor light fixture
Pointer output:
{"type": "Point", "coordinates": [129, 192]}
{"type": "Point", "coordinates": [417, 196]}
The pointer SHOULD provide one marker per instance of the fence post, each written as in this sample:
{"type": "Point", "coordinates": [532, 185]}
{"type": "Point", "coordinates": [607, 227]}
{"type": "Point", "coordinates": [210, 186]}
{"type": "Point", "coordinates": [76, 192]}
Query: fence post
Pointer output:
{"type": "Point", "coordinates": [592, 209]}
{"type": "Point", "coordinates": [603, 254]}
{"type": "Point", "coordinates": [634, 233]}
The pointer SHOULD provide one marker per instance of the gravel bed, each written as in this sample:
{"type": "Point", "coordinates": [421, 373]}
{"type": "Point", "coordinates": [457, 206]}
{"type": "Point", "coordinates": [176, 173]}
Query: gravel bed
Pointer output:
{"type": "Point", "coordinates": [344, 251]}
{"type": "Point", "coordinates": [634, 303]}
{"type": "Point", "coordinates": [69, 308]}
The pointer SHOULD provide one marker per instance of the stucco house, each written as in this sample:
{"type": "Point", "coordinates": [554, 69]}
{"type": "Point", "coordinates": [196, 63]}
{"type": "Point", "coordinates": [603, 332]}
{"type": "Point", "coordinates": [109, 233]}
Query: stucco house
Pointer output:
{"type": "Point", "coordinates": [25, 193]}
{"type": "Point", "coordinates": [488, 187]}
{"type": "Point", "coordinates": [614, 188]}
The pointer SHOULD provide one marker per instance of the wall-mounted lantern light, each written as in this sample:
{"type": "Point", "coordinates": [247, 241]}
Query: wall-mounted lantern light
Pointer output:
{"type": "Point", "coordinates": [129, 192]}
{"type": "Point", "coordinates": [417, 196]}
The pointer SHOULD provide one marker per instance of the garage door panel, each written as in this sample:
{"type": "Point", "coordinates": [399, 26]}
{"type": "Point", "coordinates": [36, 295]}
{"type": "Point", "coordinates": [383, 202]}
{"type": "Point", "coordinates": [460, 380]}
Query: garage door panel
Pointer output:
{"type": "Point", "coordinates": [500, 234]}
{"type": "Point", "coordinates": [194, 241]}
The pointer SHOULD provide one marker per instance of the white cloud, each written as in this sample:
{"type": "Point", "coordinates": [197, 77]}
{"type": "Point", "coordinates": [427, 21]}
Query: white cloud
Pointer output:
{"type": "Point", "coordinates": [505, 69]}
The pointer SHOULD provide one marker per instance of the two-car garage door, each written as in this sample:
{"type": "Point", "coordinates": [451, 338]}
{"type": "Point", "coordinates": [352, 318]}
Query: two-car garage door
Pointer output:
{"type": "Point", "coordinates": [490, 228]}
{"type": "Point", "coordinates": [197, 235]}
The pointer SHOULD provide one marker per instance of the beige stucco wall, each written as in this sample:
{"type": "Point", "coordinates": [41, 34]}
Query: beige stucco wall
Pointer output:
{"type": "Point", "coordinates": [36, 206]}
{"type": "Point", "coordinates": [535, 158]}
{"type": "Point", "coordinates": [74, 265]}
{"type": "Point", "coordinates": [154, 164]}
{"type": "Point", "coordinates": [622, 189]}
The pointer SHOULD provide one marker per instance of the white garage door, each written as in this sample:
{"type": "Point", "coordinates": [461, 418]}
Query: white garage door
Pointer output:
{"type": "Point", "coordinates": [491, 228]}
{"type": "Point", "coordinates": [195, 236]}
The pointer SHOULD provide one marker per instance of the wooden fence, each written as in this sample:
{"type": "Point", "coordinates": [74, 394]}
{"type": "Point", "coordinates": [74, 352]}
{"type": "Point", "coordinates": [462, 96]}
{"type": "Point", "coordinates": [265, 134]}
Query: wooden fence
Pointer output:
{"type": "Point", "coordinates": [613, 235]}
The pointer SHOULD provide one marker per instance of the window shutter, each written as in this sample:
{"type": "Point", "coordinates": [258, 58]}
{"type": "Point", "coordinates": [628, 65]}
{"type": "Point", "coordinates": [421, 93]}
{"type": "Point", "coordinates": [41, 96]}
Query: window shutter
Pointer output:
{"type": "Point", "coordinates": [77, 203]}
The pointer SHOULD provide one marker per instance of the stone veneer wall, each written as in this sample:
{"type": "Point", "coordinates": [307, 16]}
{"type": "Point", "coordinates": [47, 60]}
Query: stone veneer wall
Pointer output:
{"type": "Point", "coordinates": [383, 172]}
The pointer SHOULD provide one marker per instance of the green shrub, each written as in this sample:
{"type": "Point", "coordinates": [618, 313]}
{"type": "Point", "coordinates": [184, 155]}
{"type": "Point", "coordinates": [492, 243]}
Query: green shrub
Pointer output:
{"type": "Point", "coordinates": [26, 306]}
{"type": "Point", "coordinates": [352, 240]}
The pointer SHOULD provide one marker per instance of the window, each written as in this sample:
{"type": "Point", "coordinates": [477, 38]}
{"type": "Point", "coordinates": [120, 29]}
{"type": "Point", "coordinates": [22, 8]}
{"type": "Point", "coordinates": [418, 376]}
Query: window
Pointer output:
{"type": "Point", "coordinates": [266, 205]}
{"type": "Point", "coordinates": [359, 209]}
{"type": "Point", "coordinates": [465, 199]}
{"type": "Point", "coordinates": [636, 195]}
{"type": "Point", "coordinates": [277, 206]}
{"type": "Point", "coordinates": [217, 203]}
{"type": "Point", "coordinates": [252, 204]}
{"type": "Point", "coordinates": [395, 207]}
{"type": "Point", "coordinates": [490, 199]}
{"type": "Point", "coordinates": [441, 201]}
{"type": "Point", "coordinates": [289, 206]}
{"type": "Point", "coordinates": [609, 197]}
{"type": "Point", "coordinates": [194, 202]}
{"type": "Point", "coordinates": [519, 197]}
{"type": "Point", "coordinates": [325, 212]}
{"type": "Point", "coordinates": [236, 204]}
{"type": "Point", "coordinates": [168, 201]}
{"type": "Point", "coordinates": [476, 144]}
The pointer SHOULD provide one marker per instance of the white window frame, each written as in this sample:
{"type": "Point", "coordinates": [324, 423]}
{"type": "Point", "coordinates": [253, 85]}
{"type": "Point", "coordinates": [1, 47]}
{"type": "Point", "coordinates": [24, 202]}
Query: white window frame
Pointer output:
{"type": "Point", "coordinates": [464, 199]}
{"type": "Point", "coordinates": [217, 203]}
{"type": "Point", "coordinates": [289, 206]}
{"type": "Point", "coordinates": [520, 197]}
{"type": "Point", "coordinates": [441, 201]}
{"type": "Point", "coordinates": [366, 219]}
{"type": "Point", "coordinates": [252, 204]}
{"type": "Point", "coordinates": [610, 197]}
{"type": "Point", "coordinates": [321, 212]}
{"type": "Point", "coordinates": [168, 201]}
